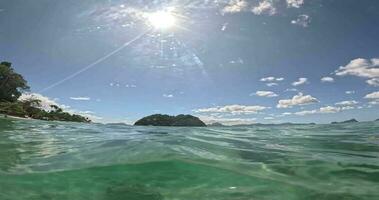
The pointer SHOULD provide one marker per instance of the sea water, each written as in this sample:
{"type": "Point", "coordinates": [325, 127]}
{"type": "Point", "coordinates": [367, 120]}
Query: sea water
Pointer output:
{"type": "Point", "coordinates": [60, 160]}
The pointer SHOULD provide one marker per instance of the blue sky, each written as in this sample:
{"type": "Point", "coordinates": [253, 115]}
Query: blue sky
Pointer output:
{"type": "Point", "coordinates": [231, 61]}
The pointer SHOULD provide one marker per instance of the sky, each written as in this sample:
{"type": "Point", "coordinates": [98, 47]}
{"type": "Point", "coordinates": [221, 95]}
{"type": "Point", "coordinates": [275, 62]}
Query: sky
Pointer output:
{"type": "Point", "coordinates": [228, 61]}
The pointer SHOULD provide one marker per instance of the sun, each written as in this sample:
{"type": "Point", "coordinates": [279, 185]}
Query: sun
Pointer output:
{"type": "Point", "coordinates": [162, 20]}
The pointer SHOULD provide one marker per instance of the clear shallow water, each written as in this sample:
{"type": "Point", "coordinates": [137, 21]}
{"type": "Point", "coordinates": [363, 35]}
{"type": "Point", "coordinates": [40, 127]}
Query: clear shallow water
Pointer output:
{"type": "Point", "coordinates": [56, 160]}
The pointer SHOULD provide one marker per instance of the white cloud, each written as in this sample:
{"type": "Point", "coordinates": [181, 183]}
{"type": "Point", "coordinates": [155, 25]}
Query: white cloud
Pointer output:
{"type": "Point", "coordinates": [80, 98]}
{"type": "Point", "coordinates": [329, 109]}
{"type": "Point", "coordinates": [168, 95]}
{"type": "Point", "coordinates": [322, 110]}
{"type": "Point", "coordinates": [235, 6]}
{"type": "Point", "coordinates": [271, 84]}
{"type": "Point", "coordinates": [302, 20]}
{"type": "Point", "coordinates": [46, 102]}
{"type": "Point", "coordinates": [306, 112]}
{"type": "Point", "coordinates": [373, 82]}
{"type": "Point", "coordinates": [347, 108]}
{"type": "Point", "coordinates": [374, 102]}
{"type": "Point", "coordinates": [350, 92]}
{"type": "Point", "coordinates": [266, 94]}
{"type": "Point", "coordinates": [224, 26]}
{"type": "Point", "coordinates": [295, 3]}
{"type": "Point", "coordinates": [301, 81]}
{"type": "Point", "coordinates": [130, 86]}
{"type": "Point", "coordinates": [237, 61]}
{"type": "Point", "coordinates": [327, 79]}
{"type": "Point", "coordinates": [374, 95]}
{"type": "Point", "coordinates": [296, 100]}
{"type": "Point", "coordinates": [347, 103]}
{"type": "Point", "coordinates": [271, 79]}
{"type": "Point", "coordinates": [226, 121]}
{"type": "Point", "coordinates": [291, 90]}
{"type": "Point", "coordinates": [269, 118]}
{"type": "Point", "coordinates": [232, 109]}
{"type": "Point", "coordinates": [284, 114]}
{"type": "Point", "coordinates": [360, 67]}
{"type": "Point", "coordinates": [264, 7]}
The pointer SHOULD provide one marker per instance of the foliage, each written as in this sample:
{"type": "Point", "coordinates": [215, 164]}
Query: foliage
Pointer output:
{"type": "Point", "coordinates": [29, 108]}
{"type": "Point", "coordinates": [12, 84]}
{"type": "Point", "coordinates": [11, 87]}
{"type": "Point", "coordinates": [167, 120]}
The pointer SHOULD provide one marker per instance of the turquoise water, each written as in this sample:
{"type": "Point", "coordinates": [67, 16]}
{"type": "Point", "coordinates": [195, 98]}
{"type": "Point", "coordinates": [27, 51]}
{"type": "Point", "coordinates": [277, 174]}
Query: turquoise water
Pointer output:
{"type": "Point", "coordinates": [58, 160]}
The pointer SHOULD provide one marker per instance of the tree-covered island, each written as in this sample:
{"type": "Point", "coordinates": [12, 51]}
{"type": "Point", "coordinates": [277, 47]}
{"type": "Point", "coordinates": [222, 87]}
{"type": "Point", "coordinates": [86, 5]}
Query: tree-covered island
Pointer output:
{"type": "Point", "coordinates": [167, 120]}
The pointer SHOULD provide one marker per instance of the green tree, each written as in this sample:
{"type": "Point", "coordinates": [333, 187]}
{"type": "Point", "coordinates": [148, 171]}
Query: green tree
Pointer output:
{"type": "Point", "coordinates": [12, 84]}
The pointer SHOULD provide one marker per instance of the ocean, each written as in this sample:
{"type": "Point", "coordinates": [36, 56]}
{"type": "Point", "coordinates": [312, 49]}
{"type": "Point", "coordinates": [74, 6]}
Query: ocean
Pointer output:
{"type": "Point", "coordinates": [60, 160]}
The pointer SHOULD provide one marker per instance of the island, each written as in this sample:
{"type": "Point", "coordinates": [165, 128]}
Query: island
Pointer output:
{"type": "Point", "coordinates": [12, 85]}
{"type": "Point", "coordinates": [345, 122]}
{"type": "Point", "coordinates": [167, 120]}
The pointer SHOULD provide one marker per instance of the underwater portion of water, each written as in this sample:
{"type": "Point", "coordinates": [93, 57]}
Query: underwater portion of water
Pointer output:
{"type": "Point", "coordinates": [58, 160]}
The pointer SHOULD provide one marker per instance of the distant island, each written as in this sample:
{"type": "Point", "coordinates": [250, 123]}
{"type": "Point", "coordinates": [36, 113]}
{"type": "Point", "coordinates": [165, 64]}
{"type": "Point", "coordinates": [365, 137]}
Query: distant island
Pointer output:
{"type": "Point", "coordinates": [167, 120]}
{"type": "Point", "coordinates": [12, 85]}
{"type": "Point", "coordinates": [345, 122]}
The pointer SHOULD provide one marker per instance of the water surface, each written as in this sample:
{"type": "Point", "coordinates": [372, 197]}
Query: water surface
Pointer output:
{"type": "Point", "coordinates": [59, 160]}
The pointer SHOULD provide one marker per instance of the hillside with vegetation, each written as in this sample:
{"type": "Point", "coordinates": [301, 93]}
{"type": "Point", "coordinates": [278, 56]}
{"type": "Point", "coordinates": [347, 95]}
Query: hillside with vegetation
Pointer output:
{"type": "Point", "coordinates": [167, 120]}
{"type": "Point", "coordinates": [12, 85]}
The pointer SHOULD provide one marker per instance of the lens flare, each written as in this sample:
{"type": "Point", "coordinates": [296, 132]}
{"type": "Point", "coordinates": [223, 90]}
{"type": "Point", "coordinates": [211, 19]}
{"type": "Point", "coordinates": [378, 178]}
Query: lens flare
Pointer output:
{"type": "Point", "coordinates": [162, 19]}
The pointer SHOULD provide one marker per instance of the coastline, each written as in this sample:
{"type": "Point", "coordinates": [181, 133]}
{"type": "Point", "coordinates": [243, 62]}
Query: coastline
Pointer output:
{"type": "Point", "coordinates": [15, 117]}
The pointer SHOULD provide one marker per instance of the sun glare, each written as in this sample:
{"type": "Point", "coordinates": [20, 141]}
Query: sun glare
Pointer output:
{"type": "Point", "coordinates": [161, 19]}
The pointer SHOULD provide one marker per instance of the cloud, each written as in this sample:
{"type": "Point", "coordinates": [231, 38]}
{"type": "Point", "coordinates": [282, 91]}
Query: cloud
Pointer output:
{"type": "Point", "coordinates": [373, 95]}
{"type": "Point", "coordinates": [373, 82]}
{"type": "Point", "coordinates": [266, 94]}
{"type": "Point", "coordinates": [297, 100]}
{"type": "Point", "coordinates": [226, 121]}
{"type": "Point", "coordinates": [329, 109]}
{"type": "Point", "coordinates": [46, 102]}
{"type": "Point", "coordinates": [302, 20]}
{"type": "Point", "coordinates": [271, 84]}
{"type": "Point", "coordinates": [360, 67]}
{"type": "Point", "coordinates": [271, 79]}
{"type": "Point", "coordinates": [347, 103]}
{"type": "Point", "coordinates": [232, 109]}
{"type": "Point", "coordinates": [235, 6]}
{"type": "Point", "coordinates": [322, 110]}
{"type": "Point", "coordinates": [295, 3]}
{"type": "Point", "coordinates": [130, 86]}
{"type": "Point", "coordinates": [286, 113]}
{"type": "Point", "coordinates": [374, 102]}
{"type": "Point", "coordinates": [347, 108]}
{"type": "Point", "coordinates": [305, 112]}
{"type": "Point", "coordinates": [301, 81]}
{"type": "Point", "coordinates": [327, 79]}
{"type": "Point", "coordinates": [80, 98]}
{"type": "Point", "coordinates": [269, 118]}
{"type": "Point", "coordinates": [350, 92]}
{"type": "Point", "coordinates": [168, 95]}
{"type": "Point", "coordinates": [237, 61]}
{"type": "Point", "coordinates": [264, 7]}
{"type": "Point", "coordinates": [291, 90]}
{"type": "Point", "coordinates": [114, 84]}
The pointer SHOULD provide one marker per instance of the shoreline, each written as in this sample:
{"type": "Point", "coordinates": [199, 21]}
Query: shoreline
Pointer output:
{"type": "Point", "coordinates": [15, 117]}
